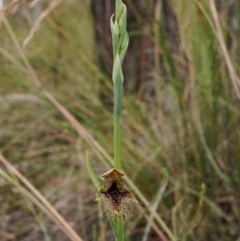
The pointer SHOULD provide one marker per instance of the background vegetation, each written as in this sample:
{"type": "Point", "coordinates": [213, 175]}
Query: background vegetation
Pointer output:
{"type": "Point", "coordinates": [180, 117]}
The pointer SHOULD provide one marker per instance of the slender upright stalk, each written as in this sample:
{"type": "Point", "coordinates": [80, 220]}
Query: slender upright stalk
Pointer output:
{"type": "Point", "coordinates": [120, 44]}
{"type": "Point", "coordinates": [118, 93]}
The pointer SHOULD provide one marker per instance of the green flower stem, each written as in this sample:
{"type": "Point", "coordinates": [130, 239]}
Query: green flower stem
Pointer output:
{"type": "Point", "coordinates": [120, 230]}
{"type": "Point", "coordinates": [118, 92]}
{"type": "Point", "coordinates": [118, 25]}
{"type": "Point", "coordinates": [117, 146]}
{"type": "Point", "coordinates": [120, 44]}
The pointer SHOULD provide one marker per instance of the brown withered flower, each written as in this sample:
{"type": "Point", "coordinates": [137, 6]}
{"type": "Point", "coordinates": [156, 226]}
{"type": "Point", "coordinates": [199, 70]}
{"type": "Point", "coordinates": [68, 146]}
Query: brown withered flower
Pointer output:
{"type": "Point", "coordinates": [116, 199]}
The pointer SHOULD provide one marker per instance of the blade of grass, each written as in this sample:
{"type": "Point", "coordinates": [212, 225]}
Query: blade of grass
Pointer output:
{"type": "Point", "coordinates": [216, 26]}
{"type": "Point", "coordinates": [92, 175]}
{"type": "Point", "coordinates": [233, 75]}
{"type": "Point", "coordinates": [154, 208]}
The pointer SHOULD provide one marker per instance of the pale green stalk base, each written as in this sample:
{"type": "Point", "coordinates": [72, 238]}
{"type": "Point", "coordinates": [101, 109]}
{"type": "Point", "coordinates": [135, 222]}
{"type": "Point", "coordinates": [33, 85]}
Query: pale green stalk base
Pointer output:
{"type": "Point", "coordinates": [120, 230]}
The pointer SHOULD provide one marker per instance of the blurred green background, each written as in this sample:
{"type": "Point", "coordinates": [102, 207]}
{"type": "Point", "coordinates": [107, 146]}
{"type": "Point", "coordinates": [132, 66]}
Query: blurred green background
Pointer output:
{"type": "Point", "coordinates": [180, 115]}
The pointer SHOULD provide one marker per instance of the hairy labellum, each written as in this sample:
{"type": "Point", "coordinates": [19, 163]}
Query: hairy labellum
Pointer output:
{"type": "Point", "coordinates": [116, 199]}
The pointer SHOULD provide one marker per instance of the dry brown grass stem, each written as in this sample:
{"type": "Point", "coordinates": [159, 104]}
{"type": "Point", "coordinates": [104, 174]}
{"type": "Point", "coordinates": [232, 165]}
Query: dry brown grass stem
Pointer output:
{"type": "Point", "coordinates": [19, 98]}
{"type": "Point", "coordinates": [160, 234]}
{"type": "Point", "coordinates": [52, 212]}
{"type": "Point", "coordinates": [52, 5]}
{"type": "Point", "coordinates": [34, 3]}
{"type": "Point", "coordinates": [10, 8]}
{"type": "Point", "coordinates": [233, 75]}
